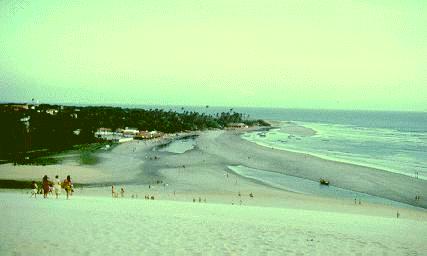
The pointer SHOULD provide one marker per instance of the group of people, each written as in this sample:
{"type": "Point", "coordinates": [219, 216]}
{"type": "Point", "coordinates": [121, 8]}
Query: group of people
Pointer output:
{"type": "Point", "coordinates": [116, 194]}
{"type": "Point", "coordinates": [355, 201]}
{"type": "Point", "coordinates": [55, 186]}
{"type": "Point", "coordinates": [200, 200]}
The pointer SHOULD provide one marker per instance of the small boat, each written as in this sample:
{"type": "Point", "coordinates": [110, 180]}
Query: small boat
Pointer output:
{"type": "Point", "coordinates": [324, 182]}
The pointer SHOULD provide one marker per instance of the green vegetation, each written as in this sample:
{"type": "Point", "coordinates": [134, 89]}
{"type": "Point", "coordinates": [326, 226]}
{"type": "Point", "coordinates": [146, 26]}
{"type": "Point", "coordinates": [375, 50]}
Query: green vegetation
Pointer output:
{"type": "Point", "coordinates": [29, 133]}
{"type": "Point", "coordinates": [15, 184]}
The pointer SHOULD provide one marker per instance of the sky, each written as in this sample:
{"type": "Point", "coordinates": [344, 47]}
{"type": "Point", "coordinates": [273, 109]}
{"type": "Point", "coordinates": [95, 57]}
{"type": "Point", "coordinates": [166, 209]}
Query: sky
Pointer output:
{"type": "Point", "coordinates": [329, 54]}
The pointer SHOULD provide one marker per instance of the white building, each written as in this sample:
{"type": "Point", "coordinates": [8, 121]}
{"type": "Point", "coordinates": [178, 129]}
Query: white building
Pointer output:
{"type": "Point", "coordinates": [52, 111]}
{"type": "Point", "coordinates": [106, 134]}
{"type": "Point", "coordinates": [129, 132]}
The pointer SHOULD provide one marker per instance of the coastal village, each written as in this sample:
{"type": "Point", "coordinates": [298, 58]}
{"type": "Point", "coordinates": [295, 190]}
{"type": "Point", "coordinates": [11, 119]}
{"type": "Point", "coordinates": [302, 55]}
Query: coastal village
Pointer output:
{"type": "Point", "coordinates": [37, 128]}
{"type": "Point", "coordinates": [130, 133]}
{"type": "Point", "coordinates": [119, 135]}
{"type": "Point", "coordinates": [127, 134]}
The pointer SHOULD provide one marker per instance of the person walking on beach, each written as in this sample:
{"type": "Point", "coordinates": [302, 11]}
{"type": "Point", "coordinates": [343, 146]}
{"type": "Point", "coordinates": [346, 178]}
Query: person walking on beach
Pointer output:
{"type": "Point", "coordinates": [57, 186]}
{"type": "Point", "coordinates": [45, 183]}
{"type": "Point", "coordinates": [68, 186]}
{"type": "Point", "coordinates": [34, 189]}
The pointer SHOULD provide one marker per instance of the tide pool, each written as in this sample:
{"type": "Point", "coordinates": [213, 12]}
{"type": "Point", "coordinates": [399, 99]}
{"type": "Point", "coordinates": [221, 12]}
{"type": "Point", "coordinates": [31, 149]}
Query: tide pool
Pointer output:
{"type": "Point", "coordinates": [178, 146]}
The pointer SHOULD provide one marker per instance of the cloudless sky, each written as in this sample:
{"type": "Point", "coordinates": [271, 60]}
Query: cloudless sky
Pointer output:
{"type": "Point", "coordinates": [329, 54]}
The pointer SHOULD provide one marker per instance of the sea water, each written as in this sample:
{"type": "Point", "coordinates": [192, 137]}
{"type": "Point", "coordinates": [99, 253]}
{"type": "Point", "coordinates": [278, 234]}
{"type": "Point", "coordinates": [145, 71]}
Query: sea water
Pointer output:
{"type": "Point", "coordinates": [391, 141]}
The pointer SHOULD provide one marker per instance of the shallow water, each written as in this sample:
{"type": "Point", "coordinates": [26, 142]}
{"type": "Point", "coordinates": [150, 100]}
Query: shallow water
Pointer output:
{"type": "Point", "coordinates": [179, 146]}
{"type": "Point", "coordinates": [305, 186]}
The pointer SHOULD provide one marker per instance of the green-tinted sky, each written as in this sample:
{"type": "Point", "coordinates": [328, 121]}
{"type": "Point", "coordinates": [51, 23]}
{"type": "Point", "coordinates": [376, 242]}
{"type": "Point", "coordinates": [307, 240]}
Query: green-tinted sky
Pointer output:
{"type": "Point", "coordinates": [364, 54]}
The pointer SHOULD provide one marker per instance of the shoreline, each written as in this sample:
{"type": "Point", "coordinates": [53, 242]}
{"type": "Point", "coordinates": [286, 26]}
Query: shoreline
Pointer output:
{"type": "Point", "coordinates": [312, 132]}
{"type": "Point", "coordinates": [339, 160]}
{"type": "Point", "coordinates": [303, 170]}
{"type": "Point", "coordinates": [214, 151]}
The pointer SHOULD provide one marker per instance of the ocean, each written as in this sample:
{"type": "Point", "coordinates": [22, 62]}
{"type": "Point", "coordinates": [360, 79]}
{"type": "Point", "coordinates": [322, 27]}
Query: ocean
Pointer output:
{"type": "Point", "coordinates": [391, 141]}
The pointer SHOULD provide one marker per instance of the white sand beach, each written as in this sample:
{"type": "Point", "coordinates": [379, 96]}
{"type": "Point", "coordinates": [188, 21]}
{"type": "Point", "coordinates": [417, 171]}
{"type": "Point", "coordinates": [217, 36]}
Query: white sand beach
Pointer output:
{"type": "Point", "coordinates": [226, 221]}
{"type": "Point", "coordinates": [106, 226]}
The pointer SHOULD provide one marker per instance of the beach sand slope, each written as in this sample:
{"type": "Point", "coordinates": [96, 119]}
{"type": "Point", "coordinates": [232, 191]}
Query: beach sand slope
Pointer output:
{"type": "Point", "coordinates": [106, 226]}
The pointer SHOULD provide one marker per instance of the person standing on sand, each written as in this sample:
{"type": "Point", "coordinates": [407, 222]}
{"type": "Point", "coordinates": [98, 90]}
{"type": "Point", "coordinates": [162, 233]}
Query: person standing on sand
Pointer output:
{"type": "Point", "coordinates": [57, 186]}
{"type": "Point", "coordinates": [67, 184]}
{"type": "Point", "coordinates": [45, 183]}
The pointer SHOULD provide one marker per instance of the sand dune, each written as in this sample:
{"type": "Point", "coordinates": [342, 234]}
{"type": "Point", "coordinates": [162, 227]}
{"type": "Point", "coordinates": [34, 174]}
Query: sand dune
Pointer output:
{"type": "Point", "coordinates": [105, 226]}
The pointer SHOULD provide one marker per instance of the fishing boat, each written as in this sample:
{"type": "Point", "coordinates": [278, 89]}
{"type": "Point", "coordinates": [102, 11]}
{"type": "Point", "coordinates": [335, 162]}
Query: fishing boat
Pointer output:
{"type": "Point", "coordinates": [324, 182]}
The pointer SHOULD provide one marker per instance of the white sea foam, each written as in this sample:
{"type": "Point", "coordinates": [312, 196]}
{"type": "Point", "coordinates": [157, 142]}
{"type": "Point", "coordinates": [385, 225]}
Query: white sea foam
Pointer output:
{"type": "Point", "coordinates": [387, 149]}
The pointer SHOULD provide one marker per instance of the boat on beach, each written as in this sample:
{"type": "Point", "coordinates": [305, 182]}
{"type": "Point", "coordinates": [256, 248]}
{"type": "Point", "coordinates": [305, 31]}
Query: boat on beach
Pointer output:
{"type": "Point", "coordinates": [324, 182]}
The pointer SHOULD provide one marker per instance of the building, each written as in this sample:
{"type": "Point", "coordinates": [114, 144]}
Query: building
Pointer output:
{"type": "Point", "coordinates": [237, 125]}
{"type": "Point", "coordinates": [148, 135]}
{"type": "Point", "coordinates": [104, 133]}
{"type": "Point", "coordinates": [52, 111]}
{"type": "Point", "coordinates": [130, 132]}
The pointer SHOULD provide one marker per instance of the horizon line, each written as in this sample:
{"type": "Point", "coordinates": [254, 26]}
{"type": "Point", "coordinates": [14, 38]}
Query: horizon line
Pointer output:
{"type": "Point", "coordinates": [164, 106]}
